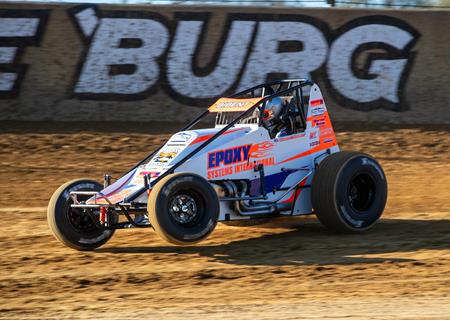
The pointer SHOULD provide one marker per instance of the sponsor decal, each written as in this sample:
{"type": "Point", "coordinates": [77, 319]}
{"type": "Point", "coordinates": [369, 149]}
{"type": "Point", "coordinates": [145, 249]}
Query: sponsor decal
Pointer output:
{"type": "Point", "coordinates": [228, 156]}
{"type": "Point", "coordinates": [317, 111]}
{"type": "Point", "coordinates": [313, 135]}
{"type": "Point", "coordinates": [240, 167]}
{"type": "Point", "coordinates": [120, 195]}
{"type": "Point", "coordinates": [114, 198]}
{"type": "Point", "coordinates": [356, 223]}
{"type": "Point", "coordinates": [133, 54]}
{"type": "Point", "coordinates": [270, 161]}
{"type": "Point", "coordinates": [165, 156]}
{"type": "Point", "coordinates": [320, 122]}
{"type": "Point", "coordinates": [233, 105]}
{"type": "Point", "coordinates": [367, 161]}
{"type": "Point", "coordinates": [314, 143]}
{"type": "Point", "coordinates": [139, 178]}
{"type": "Point", "coordinates": [325, 132]}
{"type": "Point", "coordinates": [181, 137]}
{"type": "Point", "coordinates": [315, 103]}
{"type": "Point", "coordinates": [261, 150]}
{"type": "Point", "coordinates": [291, 137]}
{"type": "Point", "coordinates": [237, 159]}
{"type": "Point", "coordinates": [230, 104]}
{"type": "Point", "coordinates": [326, 140]}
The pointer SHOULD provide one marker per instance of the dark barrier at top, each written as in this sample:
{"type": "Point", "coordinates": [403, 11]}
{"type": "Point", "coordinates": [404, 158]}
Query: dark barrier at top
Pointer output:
{"type": "Point", "coordinates": [153, 63]}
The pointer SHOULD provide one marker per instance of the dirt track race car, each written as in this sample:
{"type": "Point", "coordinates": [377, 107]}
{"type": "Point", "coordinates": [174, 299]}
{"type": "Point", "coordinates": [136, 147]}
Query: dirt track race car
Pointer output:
{"type": "Point", "coordinates": [271, 153]}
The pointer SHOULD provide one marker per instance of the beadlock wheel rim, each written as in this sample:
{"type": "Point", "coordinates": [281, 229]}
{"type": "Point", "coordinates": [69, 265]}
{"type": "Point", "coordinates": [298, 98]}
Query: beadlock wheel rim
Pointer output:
{"type": "Point", "coordinates": [79, 219]}
{"type": "Point", "coordinates": [183, 208]}
{"type": "Point", "coordinates": [361, 192]}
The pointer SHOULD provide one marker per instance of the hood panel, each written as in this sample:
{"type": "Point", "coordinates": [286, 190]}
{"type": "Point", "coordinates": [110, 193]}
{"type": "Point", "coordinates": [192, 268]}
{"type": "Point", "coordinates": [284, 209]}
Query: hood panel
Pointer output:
{"type": "Point", "coordinates": [176, 148]}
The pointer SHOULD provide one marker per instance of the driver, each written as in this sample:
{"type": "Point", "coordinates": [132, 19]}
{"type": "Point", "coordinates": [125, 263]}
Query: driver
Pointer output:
{"type": "Point", "coordinates": [272, 119]}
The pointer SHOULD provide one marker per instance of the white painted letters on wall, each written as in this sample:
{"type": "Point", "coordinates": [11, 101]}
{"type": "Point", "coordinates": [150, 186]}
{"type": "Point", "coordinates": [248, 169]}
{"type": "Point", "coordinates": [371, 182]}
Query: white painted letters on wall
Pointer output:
{"type": "Point", "coordinates": [180, 61]}
{"type": "Point", "coordinates": [106, 51]}
{"type": "Point", "coordinates": [13, 28]}
{"type": "Point", "coordinates": [386, 73]}
{"type": "Point", "coordinates": [265, 58]}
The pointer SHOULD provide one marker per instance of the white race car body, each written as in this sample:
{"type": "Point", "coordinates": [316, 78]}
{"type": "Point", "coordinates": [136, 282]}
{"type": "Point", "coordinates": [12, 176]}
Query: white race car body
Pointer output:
{"type": "Point", "coordinates": [271, 153]}
{"type": "Point", "coordinates": [288, 162]}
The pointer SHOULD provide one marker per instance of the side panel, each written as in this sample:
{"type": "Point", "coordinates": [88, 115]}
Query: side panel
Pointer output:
{"type": "Point", "coordinates": [318, 121]}
{"type": "Point", "coordinates": [227, 158]}
{"type": "Point", "coordinates": [322, 141]}
{"type": "Point", "coordinates": [288, 161]}
{"type": "Point", "coordinates": [304, 151]}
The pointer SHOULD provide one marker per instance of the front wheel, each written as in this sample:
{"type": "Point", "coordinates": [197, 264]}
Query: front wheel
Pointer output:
{"type": "Point", "coordinates": [183, 208]}
{"type": "Point", "coordinates": [73, 226]}
{"type": "Point", "coordinates": [349, 192]}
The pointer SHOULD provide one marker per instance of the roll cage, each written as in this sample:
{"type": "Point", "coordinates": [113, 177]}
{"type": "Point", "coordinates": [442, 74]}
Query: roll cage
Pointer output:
{"type": "Point", "coordinates": [265, 91]}
{"type": "Point", "coordinates": [293, 103]}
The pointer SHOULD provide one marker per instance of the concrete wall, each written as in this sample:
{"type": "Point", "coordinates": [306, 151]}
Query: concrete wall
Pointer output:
{"type": "Point", "coordinates": [153, 63]}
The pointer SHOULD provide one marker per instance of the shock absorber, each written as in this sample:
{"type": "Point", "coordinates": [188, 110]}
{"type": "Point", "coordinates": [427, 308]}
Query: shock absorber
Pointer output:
{"type": "Point", "coordinates": [260, 169]}
{"type": "Point", "coordinates": [106, 180]}
{"type": "Point", "coordinates": [102, 216]}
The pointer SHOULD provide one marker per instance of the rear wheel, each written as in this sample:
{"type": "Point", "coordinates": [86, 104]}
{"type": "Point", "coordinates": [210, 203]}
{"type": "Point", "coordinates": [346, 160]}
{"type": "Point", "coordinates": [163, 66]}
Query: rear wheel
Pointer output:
{"type": "Point", "coordinates": [183, 208]}
{"type": "Point", "coordinates": [349, 192]}
{"type": "Point", "coordinates": [73, 226]}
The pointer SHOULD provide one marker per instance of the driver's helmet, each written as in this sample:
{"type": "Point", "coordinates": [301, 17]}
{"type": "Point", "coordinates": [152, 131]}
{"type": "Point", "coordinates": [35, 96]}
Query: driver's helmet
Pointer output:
{"type": "Point", "coordinates": [272, 110]}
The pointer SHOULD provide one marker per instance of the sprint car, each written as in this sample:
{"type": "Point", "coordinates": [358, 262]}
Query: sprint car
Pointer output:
{"type": "Point", "coordinates": [256, 162]}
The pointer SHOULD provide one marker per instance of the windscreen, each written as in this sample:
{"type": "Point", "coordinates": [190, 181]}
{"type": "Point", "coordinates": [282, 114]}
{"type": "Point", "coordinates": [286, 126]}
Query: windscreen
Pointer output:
{"type": "Point", "coordinates": [224, 118]}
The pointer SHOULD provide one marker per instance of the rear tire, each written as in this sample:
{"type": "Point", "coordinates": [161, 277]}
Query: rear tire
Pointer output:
{"type": "Point", "coordinates": [183, 208]}
{"type": "Point", "coordinates": [73, 227]}
{"type": "Point", "coordinates": [349, 192]}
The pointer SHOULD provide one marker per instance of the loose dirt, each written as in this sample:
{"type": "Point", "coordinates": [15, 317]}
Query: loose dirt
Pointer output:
{"type": "Point", "coordinates": [286, 269]}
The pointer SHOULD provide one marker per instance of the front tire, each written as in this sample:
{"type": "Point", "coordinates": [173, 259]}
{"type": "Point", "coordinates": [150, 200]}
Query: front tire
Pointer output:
{"type": "Point", "coordinates": [349, 192]}
{"type": "Point", "coordinates": [183, 208]}
{"type": "Point", "coordinates": [72, 226]}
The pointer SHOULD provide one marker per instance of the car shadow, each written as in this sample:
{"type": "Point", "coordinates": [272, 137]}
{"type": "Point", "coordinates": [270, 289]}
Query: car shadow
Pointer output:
{"type": "Point", "coordinates": [313, 244]}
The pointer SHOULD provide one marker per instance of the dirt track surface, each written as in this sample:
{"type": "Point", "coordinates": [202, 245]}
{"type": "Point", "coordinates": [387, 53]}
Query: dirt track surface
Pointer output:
{"type": "Point", "coordinates": [288, 269]}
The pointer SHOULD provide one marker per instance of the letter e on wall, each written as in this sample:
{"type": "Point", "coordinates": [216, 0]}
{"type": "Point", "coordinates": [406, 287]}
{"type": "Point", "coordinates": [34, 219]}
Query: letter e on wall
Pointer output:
{"type": "Point", "coordinates": [18, 29]}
